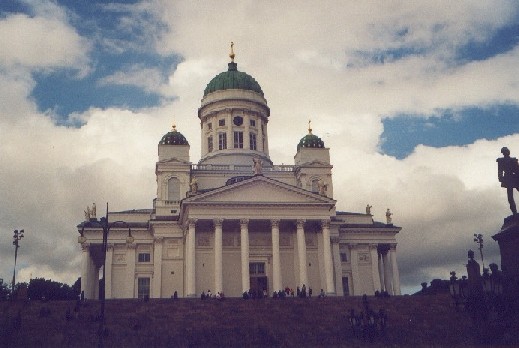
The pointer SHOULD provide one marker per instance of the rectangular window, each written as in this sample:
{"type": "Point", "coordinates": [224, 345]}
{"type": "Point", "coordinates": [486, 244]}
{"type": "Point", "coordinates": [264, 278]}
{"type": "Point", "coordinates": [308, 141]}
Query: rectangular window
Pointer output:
{"type": "Point", "coordinates": [144, 257]}
{"type": "Point", "coordinates": [210, 126]}
{"type": "Point", "coordinates": [238, 140]}
{"type": "Point", "coordinates": [256, 268]}
{"type": "Point", "coordinates": [344, 257]}
{"type": "Point", "coordinates": [252, 140]}
{"type": "Point", "coordinates": [253, 123]}
{"type": "Point", "coordinates": [210, 144]}
{"type": "Point", "coordinates": [143, 288]}
{"type": "Point", "coordinates": [221, 122]}
{"type": "Point", "coordinates": [222, 141]}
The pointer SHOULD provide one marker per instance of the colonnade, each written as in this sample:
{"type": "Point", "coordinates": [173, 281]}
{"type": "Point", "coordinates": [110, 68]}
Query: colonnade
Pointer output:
{"type": "Point", "coordinates": [389, 278]}
{"type": "Point", "coordinates": [277, 282]}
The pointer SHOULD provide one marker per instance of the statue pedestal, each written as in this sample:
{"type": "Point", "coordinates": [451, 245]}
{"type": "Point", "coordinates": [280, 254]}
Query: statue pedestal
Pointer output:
{"type": "Point", "coordinates": [508, 240]}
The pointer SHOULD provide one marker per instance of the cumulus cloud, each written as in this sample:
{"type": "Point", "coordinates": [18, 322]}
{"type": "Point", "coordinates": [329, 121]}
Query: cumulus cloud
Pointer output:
{"type": "Point", "coordinates": [313, 61]}
{"type": "Point", "coordinates": [38, 42]}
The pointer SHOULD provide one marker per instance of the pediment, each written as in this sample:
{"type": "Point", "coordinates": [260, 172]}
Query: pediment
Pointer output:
{"type": "Point", "coordinates": [260, 190]}
{"type": "Point", "coordinates": [174, 161]}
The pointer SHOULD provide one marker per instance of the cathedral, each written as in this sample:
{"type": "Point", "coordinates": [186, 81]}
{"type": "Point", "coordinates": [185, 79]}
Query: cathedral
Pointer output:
{"type": "Point", "coordinates": [235, 221]}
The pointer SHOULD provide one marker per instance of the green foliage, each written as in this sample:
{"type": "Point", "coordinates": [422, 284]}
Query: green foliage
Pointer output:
{"type": "Point", "coordinates": [4, 292]}
{"type": "Point", "coordinates": [40, 288]}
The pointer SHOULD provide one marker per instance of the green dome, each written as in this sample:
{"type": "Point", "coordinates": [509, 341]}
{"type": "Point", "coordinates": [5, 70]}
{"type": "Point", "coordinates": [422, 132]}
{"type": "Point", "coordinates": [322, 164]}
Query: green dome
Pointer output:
{"type": "Point", "coordinates": [173, 138]}
{"type": "Point", "coordinates": [310, 140]}
{"type": "Point", "coordinates": [233, 79]}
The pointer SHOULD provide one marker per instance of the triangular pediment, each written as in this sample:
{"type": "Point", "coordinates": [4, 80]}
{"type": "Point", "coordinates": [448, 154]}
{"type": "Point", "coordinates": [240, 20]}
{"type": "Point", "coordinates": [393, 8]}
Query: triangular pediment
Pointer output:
{"type": "Point", "coordinates": [174, 161]}
{"type": "Point", "coordinates": [260, 189]}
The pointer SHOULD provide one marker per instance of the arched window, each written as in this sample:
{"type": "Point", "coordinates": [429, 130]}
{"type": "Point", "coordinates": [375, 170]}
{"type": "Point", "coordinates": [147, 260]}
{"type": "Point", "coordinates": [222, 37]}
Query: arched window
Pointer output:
{"type": "Point", "coordinates": [173, 189]}
{"type": "Point", "coordinates": [315, 185]}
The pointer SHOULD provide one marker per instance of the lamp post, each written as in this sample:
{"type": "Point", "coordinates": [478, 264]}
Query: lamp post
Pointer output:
{"type": "Point", "coordinates": [106, 226]}
{"type": "Point", "coordinates": [18, 235]}
{"type": "Point", "coordinates": [478, 238]}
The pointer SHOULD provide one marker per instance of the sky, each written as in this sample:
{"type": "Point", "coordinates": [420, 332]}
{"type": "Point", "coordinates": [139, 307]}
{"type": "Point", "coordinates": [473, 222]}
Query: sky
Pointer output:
{"type": "Point", "coordinates": [414, 99]}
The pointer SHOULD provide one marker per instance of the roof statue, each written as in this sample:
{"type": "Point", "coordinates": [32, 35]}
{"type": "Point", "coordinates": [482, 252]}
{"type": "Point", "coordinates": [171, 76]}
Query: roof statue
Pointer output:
{"type": "Point", "coordinates": [508, 176]}
{"type": "Point", "coordinates": [257, 165]}
{"type": "Point", "coordinates": [389, 220]}
{"type": "Point", "coordinates": [368, 209]}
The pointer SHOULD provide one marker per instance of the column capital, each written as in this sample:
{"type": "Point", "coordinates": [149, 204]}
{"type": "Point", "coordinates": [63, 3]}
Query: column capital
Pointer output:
{"type": "Point", "coordinates": [110, 247]}
{"type": "Point", "coordinates": [392, 246]}
{"type": "Point", "coordinates": [158, 240]}
{"type": "Point", "coordinates": [244, 222]}
{"type": "Point", "coordinates": [352, 246]}
{"type": "Point", "coordinates": [274, 222]}
{"type": "Point", "coordinates": [85, 246]}
{"type": "Point", "coordinates": [373, 246]}
{"type": "Point", "coordinates": [325, 223]}
{"type": "Point", "coordinates": [191, 221]}
{"type": "Point", "coordinates": [335, 239]}
{"type": "Point", "coordinates": [218, 222]}
{"type": "Point", "coordinates": [81, 240]}
{"type": "Point", "coordinates": [131, 245]}
{"type": "Point", "coordinates": [300, 223]}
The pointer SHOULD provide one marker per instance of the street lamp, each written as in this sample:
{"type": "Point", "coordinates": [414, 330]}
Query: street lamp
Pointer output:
{"type": "Point", "coordinates": [478, 238]}
{"type": "Point", "coordinates": [18, 235]}
{"type": "Point", "coordinates": [106, 226]}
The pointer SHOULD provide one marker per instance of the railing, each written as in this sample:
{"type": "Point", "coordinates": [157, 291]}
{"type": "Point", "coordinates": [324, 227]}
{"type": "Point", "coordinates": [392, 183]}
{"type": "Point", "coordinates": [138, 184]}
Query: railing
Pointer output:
{"type": "Point", "coordinates": [241, 168]}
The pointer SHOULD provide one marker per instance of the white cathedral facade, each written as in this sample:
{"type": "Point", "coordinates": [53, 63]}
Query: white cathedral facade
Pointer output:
{"type": "Point", "coordinates": [235, 221]}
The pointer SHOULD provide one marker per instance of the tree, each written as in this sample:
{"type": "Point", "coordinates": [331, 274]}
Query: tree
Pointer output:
{"type": "Point", "coordinates": [40, 288]}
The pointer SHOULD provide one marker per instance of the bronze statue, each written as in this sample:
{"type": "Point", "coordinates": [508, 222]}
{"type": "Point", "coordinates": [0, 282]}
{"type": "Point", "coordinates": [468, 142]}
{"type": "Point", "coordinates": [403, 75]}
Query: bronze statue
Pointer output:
{"type": "Point", "coordinates": [508, 176]}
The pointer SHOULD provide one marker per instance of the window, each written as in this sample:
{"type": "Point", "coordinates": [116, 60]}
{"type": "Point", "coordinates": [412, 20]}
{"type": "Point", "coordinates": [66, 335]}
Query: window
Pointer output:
{"type": "Point", "coordinates": [252, 141]}
{"type": "Point", "coordinates": [143, 288]}
{"type": "Point", "coordinates": [315, 185]}
{"type": "Point", "coordinates": [144, 257]}
{"type": "Point", "coordinates": [173, 189]}
{"type": "Point", "coordinates": [222, 141]}
{"type": "Point", "coordinates": [210, 126]}
{"type": "Point", "coordinates": [238, 121]}
{"type": "Point", "coordinates": [256, 268]}
{"type": "Point", "coordinates": [344, 256]}
{"type": "Point", "coordinates": [238, 140]}
{"type": "Point", "coordinates": [210, 144]}
{"type": "Point", "coordinates": [221, 122]}
{"type": "Point", "coordinates": [253, 123]}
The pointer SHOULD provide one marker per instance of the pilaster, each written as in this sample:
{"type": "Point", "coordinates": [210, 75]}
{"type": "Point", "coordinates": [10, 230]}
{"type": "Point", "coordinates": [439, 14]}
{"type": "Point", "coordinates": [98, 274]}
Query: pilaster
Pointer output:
{"type": "Point", "coordinates": [157, 267]}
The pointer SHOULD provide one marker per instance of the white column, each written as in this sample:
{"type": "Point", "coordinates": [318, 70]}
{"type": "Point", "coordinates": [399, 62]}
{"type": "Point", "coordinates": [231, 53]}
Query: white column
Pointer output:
{"type": "Point", "coordinates": [259, 139]}
{"type": "Point", "coordinates": [355, 281]}
{"type": "Point", "coordinates": [336, 255]}
{"type": "Point", "coordinates": [246, 136]}
{"type": "Point", "coordinates": [394, 269]}
{"type": "Point", "coordinates": [244, 235]}
{"type": "Point", "coordinates": [387, 272]}
{"type": "Point", "coordinates": [374, 267]}
{"type": "Point", "coordinates": [191, 274]}
{"type": "Point", "coordinates": [301, 250]}
{"type": "Point", "coordinates": [218, 269]}
{"type": "Point", "coordinates": [266, 148]}
{"type": "Point", "coordinates": [130, 283]}
{"type": "Point", "coordinates": [157, 267]}
{"type": "Point", "coordinates": [327, 250]}
{"type": "Point", "coordinates": [93, 277]}
{"type": "Point", "coordinates": [108, 270]}
{"type": "Point", "coordinates": [230, 133]}
{"type": "Point", "coordinates": [276, 261]}
{"type": "Point", "coordinates": [381, 271]}
{"type": "Point", "coordinates": [85, 263]}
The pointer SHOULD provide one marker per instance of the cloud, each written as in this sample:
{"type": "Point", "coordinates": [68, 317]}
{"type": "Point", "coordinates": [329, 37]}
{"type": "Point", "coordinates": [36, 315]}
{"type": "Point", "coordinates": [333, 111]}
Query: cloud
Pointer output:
{"type": "Point", "coordinates": [39, 43]}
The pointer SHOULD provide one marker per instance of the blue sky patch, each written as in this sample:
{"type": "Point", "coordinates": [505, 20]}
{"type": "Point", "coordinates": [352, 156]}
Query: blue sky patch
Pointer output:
{"type": "Point", "coordinates": [404, 132]}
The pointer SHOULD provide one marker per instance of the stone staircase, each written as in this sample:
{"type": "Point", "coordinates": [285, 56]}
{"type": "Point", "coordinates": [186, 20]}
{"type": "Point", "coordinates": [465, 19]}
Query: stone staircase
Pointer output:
{"type": "Point", "coordinates": [412, 321]}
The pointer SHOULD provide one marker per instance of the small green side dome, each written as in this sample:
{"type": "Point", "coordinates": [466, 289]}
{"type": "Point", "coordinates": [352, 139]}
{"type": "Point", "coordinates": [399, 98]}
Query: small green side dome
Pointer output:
{"type": "Point", "coordinates": [310, 140]}
{"type": "Point", "coordinates": [173, 138]}
{"type": "Point", "coordinates": [233, 79]}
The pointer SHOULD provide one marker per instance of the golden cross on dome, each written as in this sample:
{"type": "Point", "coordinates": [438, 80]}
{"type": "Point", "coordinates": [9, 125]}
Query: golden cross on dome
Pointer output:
{"type": "Point", "coordinates": [232, 52]}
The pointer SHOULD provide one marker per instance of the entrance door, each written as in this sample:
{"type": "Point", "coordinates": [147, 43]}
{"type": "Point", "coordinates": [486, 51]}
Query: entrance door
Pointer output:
{"type": "Point", "coordinates": [258, 279]}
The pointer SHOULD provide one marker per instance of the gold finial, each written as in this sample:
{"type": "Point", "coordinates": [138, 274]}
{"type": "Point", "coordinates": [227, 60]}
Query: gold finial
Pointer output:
{"type": "Point", "coordinates": [309, 127]}
{"type": "Point", "coordinates": [174, 128]}
{"type": "Point", "coordinates": [232, 52]}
